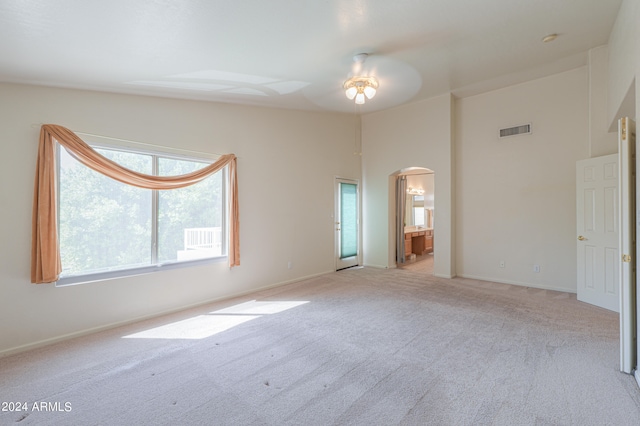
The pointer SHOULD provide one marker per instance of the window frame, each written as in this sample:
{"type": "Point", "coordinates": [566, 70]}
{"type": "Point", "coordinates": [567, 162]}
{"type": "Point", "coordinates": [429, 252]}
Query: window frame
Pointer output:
{"type": "Point", "coordinates": [154, 266]}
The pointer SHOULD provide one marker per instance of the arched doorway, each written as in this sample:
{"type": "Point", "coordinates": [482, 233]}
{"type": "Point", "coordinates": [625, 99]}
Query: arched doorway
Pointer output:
{"type": "Point", "coordinates": [412, 225]}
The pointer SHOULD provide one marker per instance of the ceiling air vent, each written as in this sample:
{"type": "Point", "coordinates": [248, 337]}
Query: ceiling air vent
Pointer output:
{"type": "Point", "coordinates": [525, 129]}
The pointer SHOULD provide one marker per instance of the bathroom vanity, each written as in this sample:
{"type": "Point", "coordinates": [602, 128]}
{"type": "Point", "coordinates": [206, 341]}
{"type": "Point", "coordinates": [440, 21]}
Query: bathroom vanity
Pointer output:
{"type": "Point", "coordinates": [418, 240]}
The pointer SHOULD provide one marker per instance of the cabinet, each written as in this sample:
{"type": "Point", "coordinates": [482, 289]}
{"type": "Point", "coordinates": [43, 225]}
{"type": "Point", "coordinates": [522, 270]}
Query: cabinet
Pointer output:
{"type": "Point", "coordinates": [418, 242]}
{"type": "Point", "coordinates": [407, 244]}
{"type": "Point", "coordinates": [428, 241]}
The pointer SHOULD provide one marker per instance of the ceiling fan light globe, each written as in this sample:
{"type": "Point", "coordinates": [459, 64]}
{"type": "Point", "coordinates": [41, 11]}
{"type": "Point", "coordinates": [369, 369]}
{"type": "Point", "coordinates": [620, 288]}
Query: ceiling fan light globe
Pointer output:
{"type": "Point", "coordinates": [360, 98]}
{"type": "Point", "coordinates": [351, 92]}
{"type": "Point", "coordinates": [370, 92]}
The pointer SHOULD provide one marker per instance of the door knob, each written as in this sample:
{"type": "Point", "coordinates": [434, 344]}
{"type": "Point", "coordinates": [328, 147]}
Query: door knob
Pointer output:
{"type": "Point", "coordinates": [581, 238]}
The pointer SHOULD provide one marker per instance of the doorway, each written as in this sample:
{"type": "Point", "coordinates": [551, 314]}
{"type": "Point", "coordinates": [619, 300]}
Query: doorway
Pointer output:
{"type": "Point", "coordinates": [414, 224]}
{"type": "Point", "coordinates": [629, 300]}
{"type": "Point", "coordinates": [347, 212]}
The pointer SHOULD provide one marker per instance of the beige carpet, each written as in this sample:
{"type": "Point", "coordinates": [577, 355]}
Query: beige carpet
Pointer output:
{"type": "Point", "coordinates": [368, 347]}
{"type": "Point", "coordinates": [422, 264]}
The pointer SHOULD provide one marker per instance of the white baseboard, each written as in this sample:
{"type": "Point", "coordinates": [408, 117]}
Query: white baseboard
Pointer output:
{"type": "Point", "coordinates": [518, 283]}
{"type": "Point", "coordinates": [57, 339]}
{"type": "Point", "coordinates": [445, 276]}
{"type": "Point", "coordinates": [636, 374]}
{"type": "Point", "coordinates": [370, 265]}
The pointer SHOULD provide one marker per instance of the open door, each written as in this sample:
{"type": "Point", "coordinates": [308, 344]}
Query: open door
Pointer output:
{"type": "Point", "coordinates": [598, 258]}
{"type": "Point", "coordinates": [627, 192]}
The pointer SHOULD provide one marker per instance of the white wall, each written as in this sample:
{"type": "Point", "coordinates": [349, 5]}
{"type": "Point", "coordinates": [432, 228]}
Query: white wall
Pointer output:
{"type": "Point", "coordinates": [414, 135]}
{"type": "Point", "coordinates": [286, 168]}
{"type": "Point", "coordinates": [601, 141]}
{"type": "Point", "coordinates": [516, 196]}
{"type": "Point", "coordinates": [624, 62]}
{"type": "Point", "coordinates": [420, 181]}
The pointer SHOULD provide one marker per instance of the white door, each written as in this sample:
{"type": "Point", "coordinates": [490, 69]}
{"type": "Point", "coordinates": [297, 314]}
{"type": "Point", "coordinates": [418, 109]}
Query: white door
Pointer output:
{"type": "Point", "coordinates": [347, 224]}
{"type": "Point", "coordinates": [627, 160]}
{"type": "Point", "coordinates": [598, 231]}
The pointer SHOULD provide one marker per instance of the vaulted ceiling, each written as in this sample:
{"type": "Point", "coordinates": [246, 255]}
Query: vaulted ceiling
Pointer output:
{"type": "Point", "coordinates": [296, 53]}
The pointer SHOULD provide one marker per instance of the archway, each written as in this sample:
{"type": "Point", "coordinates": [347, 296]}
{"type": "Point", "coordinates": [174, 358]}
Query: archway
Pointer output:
{"type": "Point", "coordinates": [411, 219]}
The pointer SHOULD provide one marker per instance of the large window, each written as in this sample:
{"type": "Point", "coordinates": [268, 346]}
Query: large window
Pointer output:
{"type": "Point", "coordinates": [110, 229]}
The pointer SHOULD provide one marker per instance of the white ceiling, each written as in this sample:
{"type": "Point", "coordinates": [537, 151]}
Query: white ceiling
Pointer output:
{"type": "Point", "coordinates": [295, 53]}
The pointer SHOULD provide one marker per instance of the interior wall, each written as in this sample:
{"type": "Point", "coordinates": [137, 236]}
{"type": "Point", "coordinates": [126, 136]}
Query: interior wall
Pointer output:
{"type": "Point", "coordinates": [418, 181]}
{"type": "Point", "coordinates": [287, 164]}
{"type": "Point", "coordinates": [624, 63]}
{"type": "Point", "coordinates": [601, 140]}
{"type": "Point", "coordinates": [516, 196]}
{"type": "Point", "coordinates": [414, 135]}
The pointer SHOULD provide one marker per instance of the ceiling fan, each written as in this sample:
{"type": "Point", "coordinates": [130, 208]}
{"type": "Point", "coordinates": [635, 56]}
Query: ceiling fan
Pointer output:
{"type": "Point", "coordinates": [359, 87]}
{"type": "Point", "coordinates": [391, 81]}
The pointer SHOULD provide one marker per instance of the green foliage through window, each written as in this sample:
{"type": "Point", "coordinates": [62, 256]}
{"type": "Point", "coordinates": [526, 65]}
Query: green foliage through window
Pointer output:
{"type": "Point", "coordinates": [106, 225]}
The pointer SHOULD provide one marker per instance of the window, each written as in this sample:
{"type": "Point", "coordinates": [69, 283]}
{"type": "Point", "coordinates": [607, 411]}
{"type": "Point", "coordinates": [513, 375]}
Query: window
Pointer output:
{"type": "Point", "coordinates": [109, 229]}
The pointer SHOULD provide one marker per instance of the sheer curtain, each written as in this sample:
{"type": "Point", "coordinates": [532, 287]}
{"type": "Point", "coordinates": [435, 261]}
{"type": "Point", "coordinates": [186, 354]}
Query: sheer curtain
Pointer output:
{"type": "Point", "coordinates": [45, 254]}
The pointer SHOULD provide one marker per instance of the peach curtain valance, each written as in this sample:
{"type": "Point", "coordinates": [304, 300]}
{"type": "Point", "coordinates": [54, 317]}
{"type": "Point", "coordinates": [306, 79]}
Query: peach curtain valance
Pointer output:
{"type": "Point", "coordinates": [45, 253]}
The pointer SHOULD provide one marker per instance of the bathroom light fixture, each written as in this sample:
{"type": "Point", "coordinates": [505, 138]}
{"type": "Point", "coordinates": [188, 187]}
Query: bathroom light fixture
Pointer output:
{"type": "Point", "coordinates": [359, 87]}
{"type": "Point", "coordinates": [415, 191]}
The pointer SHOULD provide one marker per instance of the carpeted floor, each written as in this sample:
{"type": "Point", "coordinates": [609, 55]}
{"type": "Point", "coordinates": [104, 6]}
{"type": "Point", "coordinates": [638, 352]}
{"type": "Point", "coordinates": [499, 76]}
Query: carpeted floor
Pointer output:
{"type": "Point", "coordinates": [358, 347]}
{"type": "Point", "coordinates": [422, 264]}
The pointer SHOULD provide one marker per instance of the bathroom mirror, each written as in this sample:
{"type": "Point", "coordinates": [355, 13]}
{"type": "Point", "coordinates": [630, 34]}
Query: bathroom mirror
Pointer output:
{"type": "Point", "coordinates": [419, 200]}
{"type": "Point", "coordinates": [415, 214]}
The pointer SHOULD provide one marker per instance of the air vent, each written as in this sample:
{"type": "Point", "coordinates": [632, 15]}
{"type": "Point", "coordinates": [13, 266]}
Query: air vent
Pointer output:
{"type": "Point", "coordinates": [525, 129]}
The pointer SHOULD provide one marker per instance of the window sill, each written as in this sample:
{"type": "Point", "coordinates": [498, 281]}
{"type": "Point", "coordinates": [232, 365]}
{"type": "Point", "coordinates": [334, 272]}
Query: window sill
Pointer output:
{"type": "Point", "coordinates": [131, 272]}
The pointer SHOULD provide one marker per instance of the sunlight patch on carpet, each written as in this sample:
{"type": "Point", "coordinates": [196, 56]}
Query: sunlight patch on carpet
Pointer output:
{"type": "Point", "coordinates": [198, 327]}
{"type": "Point", "coordinates": [203, 326]}
{"type": "Point", "coordinates": [254, 307]}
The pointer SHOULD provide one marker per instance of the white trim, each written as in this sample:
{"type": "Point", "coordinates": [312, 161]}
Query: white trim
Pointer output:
{"type": "Point", "coordinates": [147, 147]}
{"type": "Point", "coordinates": [336, 214]}
{"type": "Point", "coordinates": [177, 154]}
{"type": "Point", "coordinates": [518, 283]}
{"type": "Point", "coordinates": [445, 276]}
{"type": "Point", "coordinates": [154, 266]}
{"type": "Point", "coordinates": [132, 272]}
{"type": "Point", "coordinates": [626, 217]}
{"type": "Point", "coordinates": [636, 374]}
{"type": "Point", "coordinates": [369, 265]}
